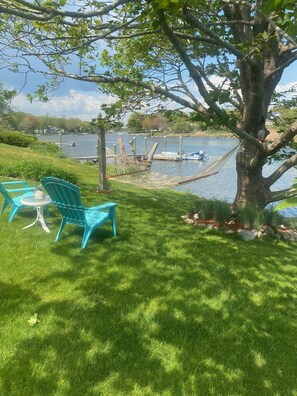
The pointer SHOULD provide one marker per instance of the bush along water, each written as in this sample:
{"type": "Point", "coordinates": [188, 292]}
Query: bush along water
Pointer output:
{"type": "Point", "coordinates": [19, 139]}
{"type": "Point", "coordinates": [251, 222]}
{"type": "Point", "coordinates": [36, 170]}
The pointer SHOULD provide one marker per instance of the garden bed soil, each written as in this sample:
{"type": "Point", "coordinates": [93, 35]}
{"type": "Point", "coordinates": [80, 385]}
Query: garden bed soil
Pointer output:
{"type": "Point", "coordinates": [281, 232]}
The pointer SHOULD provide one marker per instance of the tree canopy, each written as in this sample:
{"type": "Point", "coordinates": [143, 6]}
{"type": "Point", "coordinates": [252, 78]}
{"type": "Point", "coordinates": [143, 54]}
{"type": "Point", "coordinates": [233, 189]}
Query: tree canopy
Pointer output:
{"type": "Point", "coordinates": [6, 108]}
{"type": "Point", "coordinates": [204, 56]}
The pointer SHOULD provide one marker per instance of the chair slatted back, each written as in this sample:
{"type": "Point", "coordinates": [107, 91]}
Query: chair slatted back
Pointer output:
{"type": "Point", "coordinates": [66, 197]}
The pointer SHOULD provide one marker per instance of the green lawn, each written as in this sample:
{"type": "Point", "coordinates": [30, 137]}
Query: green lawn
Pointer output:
{"type": "Point", "coordinates": [162, 309]}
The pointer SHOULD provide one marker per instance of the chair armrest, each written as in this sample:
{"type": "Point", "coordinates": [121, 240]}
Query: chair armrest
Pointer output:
{"type": "Point", "coordinates": [107, 205]}
{"type": "Point", "coordinates": [15, 182]}
{"type": "Point", "coordinates": [24, 189]}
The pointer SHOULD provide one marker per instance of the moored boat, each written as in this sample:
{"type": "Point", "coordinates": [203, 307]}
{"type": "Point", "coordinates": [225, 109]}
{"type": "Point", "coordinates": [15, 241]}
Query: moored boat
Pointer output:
{"type": "Point", "coordinates": [175, 156]}
{"type": "Point", "coordinates": [198, 156]}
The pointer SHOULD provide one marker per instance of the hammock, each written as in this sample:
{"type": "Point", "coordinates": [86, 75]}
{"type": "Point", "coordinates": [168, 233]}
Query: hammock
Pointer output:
{"type": "Point", "coordinates": [154, 180]}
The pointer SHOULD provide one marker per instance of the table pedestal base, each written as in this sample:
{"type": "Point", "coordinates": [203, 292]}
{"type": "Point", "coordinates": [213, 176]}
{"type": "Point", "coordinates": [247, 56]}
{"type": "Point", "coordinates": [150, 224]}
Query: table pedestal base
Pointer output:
{"type": "Point", "coordinates": [40, 218]}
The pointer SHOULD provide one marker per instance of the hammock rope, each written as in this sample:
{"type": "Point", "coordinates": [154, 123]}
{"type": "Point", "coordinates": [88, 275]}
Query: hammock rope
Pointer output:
{"type": "Point", "coordinates": [154, 180]}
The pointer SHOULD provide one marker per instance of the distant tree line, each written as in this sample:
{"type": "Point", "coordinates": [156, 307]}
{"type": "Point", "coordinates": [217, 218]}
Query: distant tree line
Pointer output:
{"type": "Point", "coordinates": [176, 121]}
{"type": "Point", "coordinates": [167, 121]}
{"type": "Point", "coordinates": [49, 124]}
{"type": "Point", "coordinates": [25, 122]}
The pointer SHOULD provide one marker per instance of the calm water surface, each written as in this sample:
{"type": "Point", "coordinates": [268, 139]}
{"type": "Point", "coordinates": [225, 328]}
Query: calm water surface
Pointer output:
{"type": "Point", "coordinates": [221, 186]}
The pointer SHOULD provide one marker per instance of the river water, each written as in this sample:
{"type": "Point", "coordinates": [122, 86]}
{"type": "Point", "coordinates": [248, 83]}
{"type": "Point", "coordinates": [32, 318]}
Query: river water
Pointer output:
{"type": "Point", "coordinates": [220, 186]}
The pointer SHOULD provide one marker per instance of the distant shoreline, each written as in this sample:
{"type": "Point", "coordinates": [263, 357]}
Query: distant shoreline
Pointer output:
{"type": "Point", "coordinates": [273, 134]}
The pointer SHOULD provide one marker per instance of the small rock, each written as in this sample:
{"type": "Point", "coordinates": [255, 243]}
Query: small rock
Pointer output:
{"type": "Point", "coordinates": [200, 225]}
{"type": "Point", "coordinates": [229, 231]}
{"type": "Point", "coordinates": [289, 235]}
{"type": "Point", "coordinates": [267, 230]}
{"type": "Point", "coordinates": [184, 217]}
{"type": "Point", "coordinates": [248, 235]}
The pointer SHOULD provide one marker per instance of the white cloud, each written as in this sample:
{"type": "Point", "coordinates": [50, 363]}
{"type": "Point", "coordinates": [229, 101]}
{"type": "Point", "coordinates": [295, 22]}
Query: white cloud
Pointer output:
{"type": "Point", "coordinates": [86, 105]}
{"type": "Point", "coordinates": [82, 105]}
{"type": "Point", "coordinates": [287, 87]}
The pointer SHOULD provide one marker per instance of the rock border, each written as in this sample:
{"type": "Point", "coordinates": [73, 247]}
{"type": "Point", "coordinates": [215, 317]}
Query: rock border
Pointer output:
{"type": "Point", "coordinates": [282, 232]}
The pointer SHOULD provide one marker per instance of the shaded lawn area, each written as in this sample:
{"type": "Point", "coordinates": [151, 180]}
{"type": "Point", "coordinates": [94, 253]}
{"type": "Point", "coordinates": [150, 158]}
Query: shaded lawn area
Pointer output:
{"type": "Point", "coordinates": [163, 309]}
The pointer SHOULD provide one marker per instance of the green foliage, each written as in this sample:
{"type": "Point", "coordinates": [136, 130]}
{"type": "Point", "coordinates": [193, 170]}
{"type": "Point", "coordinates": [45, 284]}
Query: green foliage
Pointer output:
{"type": "Point", "coordinates": [162, 309]}
{"type": "Point", "coordinates": [213, 209]}
{"type": "Point", "coordinates": [170, 121]}
{"type": "Point", "coordinates": [286, 203]}
{"type": "Point", "coordinates": [47, 148]}
{"type": "Point", "coordinates": [288, 114]}
{"type": "Point", "coordinates": [269, 6]}
{"type": "Point", "coordinates": [222, 211]}
{"type": "Point", "coordinates": [22, 139]}
{"type": "Point", "coordinates": [36, 170]}
{"type": "Point", "coordinates": [17, 139]}
{"type": "Point", "coordinates": [289, 202]}
{"type": "Point", "coordinates": [271, 217]}
{"type": "Point", "coordinates": [135, 122]}
{"type": "Point", "coordinates": [5, 106]}
{"type": "Point", "coordinates": [89, 163]}
{"type": "Point", "coordinates": [31, 123]}
{"type": "Point", "coordinates": [204, 56]}
{"type": "Point", "coordinates": [251, 216]}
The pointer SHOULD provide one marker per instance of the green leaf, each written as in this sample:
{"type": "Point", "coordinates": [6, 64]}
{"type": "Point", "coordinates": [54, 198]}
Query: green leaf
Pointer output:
{"type": "Point", "coordinates": [33, 321]}
{"type": "Point", "coordinates": [287, 203]}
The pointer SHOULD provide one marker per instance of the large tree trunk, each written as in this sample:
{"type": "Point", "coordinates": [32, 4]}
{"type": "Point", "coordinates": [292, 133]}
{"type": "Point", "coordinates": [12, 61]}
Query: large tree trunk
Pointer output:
{"type": "Point", "coordinates": [251, 188]}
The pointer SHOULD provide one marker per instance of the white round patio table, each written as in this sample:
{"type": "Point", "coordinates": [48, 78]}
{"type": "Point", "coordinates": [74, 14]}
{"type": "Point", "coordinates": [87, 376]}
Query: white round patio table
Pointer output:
{"type": "Point", "coordinates": [39, 204]}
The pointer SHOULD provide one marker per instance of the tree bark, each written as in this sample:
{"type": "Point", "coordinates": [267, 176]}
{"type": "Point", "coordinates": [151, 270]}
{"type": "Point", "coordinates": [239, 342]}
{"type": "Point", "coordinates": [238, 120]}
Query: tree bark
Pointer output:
{"type": "Point", "coordinates": [101, 154]}
{"type": "Point", "coordinates": [251, 187]}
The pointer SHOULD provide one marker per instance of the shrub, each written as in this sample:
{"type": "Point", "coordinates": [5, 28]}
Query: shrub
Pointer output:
{"type": "Point", "coordinates": [19, 139]}
{"type": "Point", "coordinates": [274, 218]}
{"type": "Point", "coordinates": [48, 149]}
{"type": "Point", "coordinates": [36, 170]}
{"type": "Point", "coordinates": [222, 211]}
{"type": "Point", "coordinates": [205, 209]}
{"type": "Point", "coordinates": [213, 209]}
{"type": "Point", "coordinates": [89, 163]}
{"type": "Point", "coordinates": [251, 216]}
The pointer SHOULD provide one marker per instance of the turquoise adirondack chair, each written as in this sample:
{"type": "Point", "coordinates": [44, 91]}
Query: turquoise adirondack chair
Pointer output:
{"type": "Point", "coordinates": [67, 198]}
{"type": "Point", "coordinates": [8, 191]}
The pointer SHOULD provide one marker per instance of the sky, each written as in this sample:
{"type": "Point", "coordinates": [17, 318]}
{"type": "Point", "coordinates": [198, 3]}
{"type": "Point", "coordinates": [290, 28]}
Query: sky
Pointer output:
{"type": "Point", "coordinates": [78, 99]}
{"type": "Point", "coordinates": [72, 99]}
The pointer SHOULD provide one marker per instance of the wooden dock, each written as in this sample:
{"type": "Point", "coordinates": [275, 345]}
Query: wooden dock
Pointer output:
{"type": "Point", "coordinates": [163, 157]}
{"type": "Point", "coordinates": [90, 158]}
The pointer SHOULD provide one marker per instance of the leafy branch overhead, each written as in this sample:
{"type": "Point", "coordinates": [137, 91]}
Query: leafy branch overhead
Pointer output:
{"type": "Point", "coordinates": [219, 59]}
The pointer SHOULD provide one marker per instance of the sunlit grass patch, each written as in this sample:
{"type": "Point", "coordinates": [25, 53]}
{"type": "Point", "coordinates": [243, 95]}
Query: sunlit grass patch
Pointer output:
{"type": "Point", "coordinates": [162, 309]}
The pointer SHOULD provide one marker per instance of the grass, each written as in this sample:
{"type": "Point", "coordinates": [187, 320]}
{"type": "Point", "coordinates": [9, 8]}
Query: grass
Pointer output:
{"type": "Point", "coordinates": [162, 309]}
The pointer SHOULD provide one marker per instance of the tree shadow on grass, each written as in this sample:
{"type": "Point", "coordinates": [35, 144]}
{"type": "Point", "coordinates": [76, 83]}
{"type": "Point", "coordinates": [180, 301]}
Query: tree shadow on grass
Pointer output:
{"type": "Point", "coordinates": [187, 312]}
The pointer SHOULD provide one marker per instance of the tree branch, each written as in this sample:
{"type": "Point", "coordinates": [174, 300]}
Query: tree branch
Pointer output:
{"type": "Point", "coordinates": [244, 135]}
{"type": "Point", "coordinates": [6, 8]}
{"type": "Point", "coordinates": [282, 33]}
{"type": "Point", "coordinates": [284, 139]}
{"type": "Point", "coordinates": [191, 68]}
{"type": "Point", "coordinates": [210, 33]}
{"type": "Point", "coordinates": [283, 66]}
{"type": "Point", "coordinates": [283, 194]}
{"type": "Point", "coordinates": [285, 166]}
